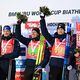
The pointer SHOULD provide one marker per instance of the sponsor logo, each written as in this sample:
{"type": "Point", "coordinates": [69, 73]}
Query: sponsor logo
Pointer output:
{"type": "Point", "coordinates": [32, 24]}
{"type": "Point", "coordinates": [20, 63]}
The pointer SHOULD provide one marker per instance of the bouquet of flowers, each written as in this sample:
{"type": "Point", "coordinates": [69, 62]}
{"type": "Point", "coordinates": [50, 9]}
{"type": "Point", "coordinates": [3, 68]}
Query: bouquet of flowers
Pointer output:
{"type": "Point", "coordinates": [21, 17]}
{"type": "Point", "coordinates": [45, 10]}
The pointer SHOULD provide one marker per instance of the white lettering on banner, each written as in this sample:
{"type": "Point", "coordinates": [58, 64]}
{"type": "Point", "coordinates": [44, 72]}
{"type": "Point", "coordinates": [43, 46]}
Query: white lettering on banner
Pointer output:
{"type": "Point", "coordinates": [18, 62]}
{"type": "Point", "coordinates": [32, 24]}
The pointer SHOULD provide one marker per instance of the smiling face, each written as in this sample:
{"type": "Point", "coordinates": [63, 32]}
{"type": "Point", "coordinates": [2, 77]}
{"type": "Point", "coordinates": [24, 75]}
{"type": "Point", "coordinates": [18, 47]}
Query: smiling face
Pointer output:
{"type": "Point", "coordinates": [6, 33]}
{"type": "Point", "coordinates": [60, 31]}
{"type": "Point", "coordinates": [34, 34]}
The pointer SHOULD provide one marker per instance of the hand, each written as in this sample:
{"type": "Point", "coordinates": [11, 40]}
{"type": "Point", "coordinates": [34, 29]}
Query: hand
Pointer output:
{"type": "Point", "coordinates": [38, 68]}
{"type": "Point", "coordinates": [69, 67]}
{"type": "Point", "coordinates": [42, 16]}
{"type": "Point", "coordinates": [19, 21]}
{"type": "Point", "coordinates": [77, 54]}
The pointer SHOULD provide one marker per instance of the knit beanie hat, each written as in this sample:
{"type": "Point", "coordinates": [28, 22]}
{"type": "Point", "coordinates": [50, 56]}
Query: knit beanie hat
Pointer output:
{"type": "Point", "coordinates": [37, 30]}
{"type": "Point", "coordinates": [6, 27]}
{"type": "Point", "coordinates": [61, 25]}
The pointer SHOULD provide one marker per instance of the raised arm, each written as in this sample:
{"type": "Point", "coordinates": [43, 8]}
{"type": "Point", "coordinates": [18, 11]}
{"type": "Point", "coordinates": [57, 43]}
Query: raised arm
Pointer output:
{"type": "Point", "coordinates": [45, 32]}
{"type": "Point", "coordinates": [21, 38]}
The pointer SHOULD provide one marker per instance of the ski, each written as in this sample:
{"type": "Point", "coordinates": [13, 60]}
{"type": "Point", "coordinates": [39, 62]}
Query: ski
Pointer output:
{"type": "Point", "coordinates": [66, 56]}
{"type": "Point", "coordinates": [38, 74]}
{"type": "Point", "coordinates": [44, 74]}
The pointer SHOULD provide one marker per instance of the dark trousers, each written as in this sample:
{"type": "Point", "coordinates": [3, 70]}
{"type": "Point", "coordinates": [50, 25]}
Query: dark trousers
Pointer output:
{"type": "Point", "coordinates": [4, 71]}
{"type": "Point", "coordinates": [2, 75]}
{"type": "Point", "coordinates": [29, 71]}
{"type": "Point", "coordinates": [55, 73]}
